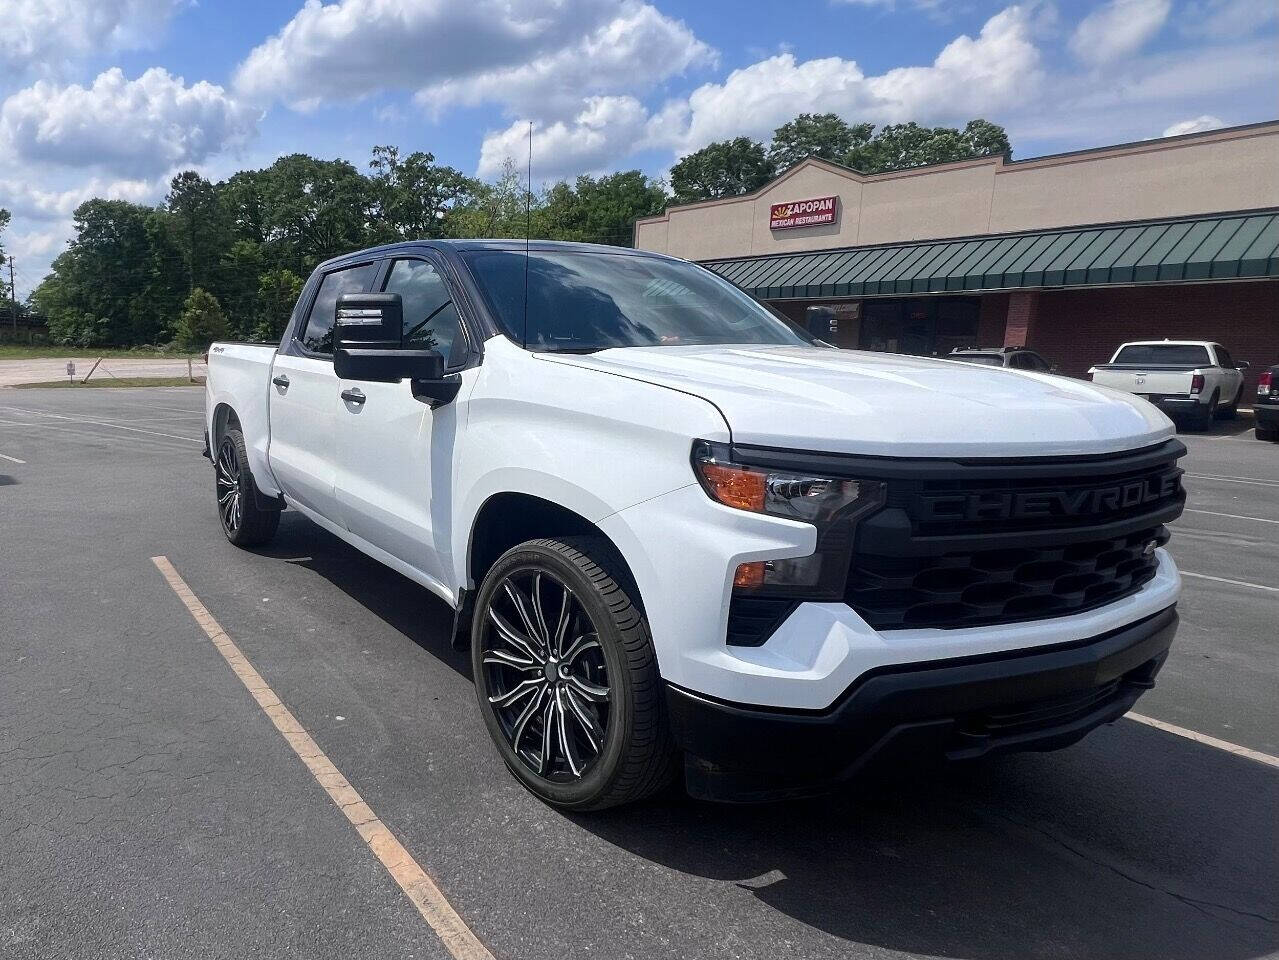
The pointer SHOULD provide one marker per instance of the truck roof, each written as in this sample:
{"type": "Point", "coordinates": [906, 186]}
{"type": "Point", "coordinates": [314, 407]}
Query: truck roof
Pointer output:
{"type": "Point", "coordinates": [494, 243]}
{"type": "Point", "coordinates": [1169, 343]}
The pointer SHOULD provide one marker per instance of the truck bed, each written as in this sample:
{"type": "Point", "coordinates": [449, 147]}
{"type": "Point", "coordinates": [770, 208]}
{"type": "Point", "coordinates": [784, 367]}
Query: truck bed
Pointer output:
{"type": "Point", "coordinates": [240, 378]}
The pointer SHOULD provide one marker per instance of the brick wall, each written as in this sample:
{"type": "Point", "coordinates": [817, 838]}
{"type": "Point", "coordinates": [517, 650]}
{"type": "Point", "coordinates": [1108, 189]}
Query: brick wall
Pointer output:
{"type": "Point", "coordinates": [1078, 328]}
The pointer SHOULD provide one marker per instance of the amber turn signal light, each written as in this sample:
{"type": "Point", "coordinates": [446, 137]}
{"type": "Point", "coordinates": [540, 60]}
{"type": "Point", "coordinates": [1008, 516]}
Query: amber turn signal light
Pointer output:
{"type": "Point", "coordinates": [734, 486]}
{"type": "Point", "coordinates": [749, 574]}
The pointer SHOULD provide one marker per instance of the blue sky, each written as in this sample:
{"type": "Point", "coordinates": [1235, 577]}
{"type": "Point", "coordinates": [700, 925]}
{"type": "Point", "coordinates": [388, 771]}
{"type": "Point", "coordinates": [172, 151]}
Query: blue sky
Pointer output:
{"type": "Point", "coordinates": [112, 97]}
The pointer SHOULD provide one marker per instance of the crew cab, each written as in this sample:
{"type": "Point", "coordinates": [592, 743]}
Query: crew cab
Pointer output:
{"type": "Point", "coordinates": [678, 535]}
{"type": "Point", "coordinates": [1194, 379]}
{"type": "Point", "coordinates": [1266, 406]}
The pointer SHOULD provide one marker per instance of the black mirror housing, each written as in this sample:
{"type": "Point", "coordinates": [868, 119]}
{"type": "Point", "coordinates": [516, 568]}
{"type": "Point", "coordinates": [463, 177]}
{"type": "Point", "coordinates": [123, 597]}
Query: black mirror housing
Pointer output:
{"type": "Point", "coordinates": [381, 365]}
{"type": "Point", "coordinates": [369, 320]}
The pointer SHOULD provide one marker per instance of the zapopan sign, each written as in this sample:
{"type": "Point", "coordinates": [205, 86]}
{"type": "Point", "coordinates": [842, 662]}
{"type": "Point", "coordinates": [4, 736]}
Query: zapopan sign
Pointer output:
{"type": "Point", "coordinates": [803, 213]}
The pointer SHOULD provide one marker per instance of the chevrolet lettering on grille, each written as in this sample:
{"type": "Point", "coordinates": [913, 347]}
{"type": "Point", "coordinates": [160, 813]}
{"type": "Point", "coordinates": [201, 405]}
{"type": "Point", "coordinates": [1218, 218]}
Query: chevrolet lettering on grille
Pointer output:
{"type": "Point", "coordinates": [1038, 504]}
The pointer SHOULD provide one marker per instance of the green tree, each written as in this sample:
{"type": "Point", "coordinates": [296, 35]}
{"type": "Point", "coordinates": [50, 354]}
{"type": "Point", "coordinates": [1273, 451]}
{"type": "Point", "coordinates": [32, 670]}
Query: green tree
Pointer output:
{"type": "Point", "coordinates": [497, 209]}
{"type": "Point", "coordinates": [727, 168]}
{"type": "Point", "coordinates": [823, 135]}
{"type": "Point", "coordinates": [904, 145]}
{"type": "Point", "coordinates": [314, 209]}
{"type": "Point", "coordinates": [200, 225]}
{"type": "Point", "coordinates": [201, 321]}
{"type": "Point", "coordinates": [278, 291]}
{"type": "Point", "coordinates": [601, 210]}
{"type": "Point", "coordinates": [413, 197]}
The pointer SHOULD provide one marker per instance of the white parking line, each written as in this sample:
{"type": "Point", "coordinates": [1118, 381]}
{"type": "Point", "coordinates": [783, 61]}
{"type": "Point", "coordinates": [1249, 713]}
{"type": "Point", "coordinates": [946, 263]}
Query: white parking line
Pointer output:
{"type": "Point", "coordinates": [454, 934]}
{"type": "Point", "coordinates": [1203, 738]}
{"type": "Point", "coordinates": [1232, 516]}
{"type": "Point", "coordinates": [1256, 481]}
{"type": "Point", "coordinates": [5, 456]}
{"type": "Point", "coordinates": [1233, 583]}
{"type": "Point", "coordinates": [104, 423]}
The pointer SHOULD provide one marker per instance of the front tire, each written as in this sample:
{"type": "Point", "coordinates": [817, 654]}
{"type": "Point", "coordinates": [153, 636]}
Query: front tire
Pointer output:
{"type": "Point", "coordinates": [243, 521]}
{"type": "Point", "coordinates": [566, 677]}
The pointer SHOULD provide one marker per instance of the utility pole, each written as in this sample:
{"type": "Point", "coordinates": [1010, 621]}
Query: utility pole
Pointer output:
{"type": "Point", "coordinates": [13, 301]}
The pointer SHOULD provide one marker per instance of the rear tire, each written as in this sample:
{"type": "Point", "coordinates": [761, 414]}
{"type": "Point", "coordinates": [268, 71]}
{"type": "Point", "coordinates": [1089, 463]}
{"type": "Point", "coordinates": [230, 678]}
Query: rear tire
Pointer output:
{"type": "Point", "coordinates": [566, 676]}
{"type": "Point", "coordinates": [1203, 418]}
{"type": "Point", "coordinates": [243, 521]}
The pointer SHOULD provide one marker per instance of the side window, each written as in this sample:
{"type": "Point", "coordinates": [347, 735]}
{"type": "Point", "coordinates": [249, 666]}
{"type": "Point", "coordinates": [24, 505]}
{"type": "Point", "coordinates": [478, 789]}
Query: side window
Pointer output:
{"type": "Point", "coordinates": [1223, 357]}
{"type": "Point", "coordinates": [430, 318]}
{"type": "Point", "coordinates": [1021, 361]}
{"type": "Point", "coordinates": [318, 335]}
{"type": "Point", "coordinates": [1038, 363]}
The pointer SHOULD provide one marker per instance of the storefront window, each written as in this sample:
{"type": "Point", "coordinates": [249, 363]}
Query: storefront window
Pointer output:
{"type": "Point", "coordinates": [923, 327]}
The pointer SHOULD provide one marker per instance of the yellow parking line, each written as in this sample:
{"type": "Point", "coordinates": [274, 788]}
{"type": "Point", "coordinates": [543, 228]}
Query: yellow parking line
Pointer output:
{"type": "Point", "coordinates": [431, 903]}
{"type": "Point", "coordinates": [1203, 738]}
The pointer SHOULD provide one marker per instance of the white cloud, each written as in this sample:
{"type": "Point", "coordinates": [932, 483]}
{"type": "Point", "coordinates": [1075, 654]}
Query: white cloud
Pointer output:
{"type": "Point", "coordinates": [1196, 125]}
{"type": "Point", "coordinates": [131, 128]}
{"type": "Point", "coordinates": [608, 127]}
{"type": "Point", "coordinates": [474, 50]}
{"type": "Point", "coordinates": [630, 52]}
{"type": "Point", "coordinates": [40, 34]}
{"type": "Point", "coordinates": [1118, 28]}
{"type": "Point", "coordinates": [30, 202]}
{"type": "Point", "coordinates": [971, 76]}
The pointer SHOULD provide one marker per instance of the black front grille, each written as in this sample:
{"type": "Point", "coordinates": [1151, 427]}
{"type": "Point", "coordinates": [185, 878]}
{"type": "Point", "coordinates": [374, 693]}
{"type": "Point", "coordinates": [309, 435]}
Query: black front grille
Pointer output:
{"type": "Point", "coordinates": [964, 546]}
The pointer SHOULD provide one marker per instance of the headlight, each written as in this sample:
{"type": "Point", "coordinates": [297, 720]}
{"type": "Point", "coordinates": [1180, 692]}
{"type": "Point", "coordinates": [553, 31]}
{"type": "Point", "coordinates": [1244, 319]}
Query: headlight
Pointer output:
{"type": "Point", "coordinates": [832, 504]}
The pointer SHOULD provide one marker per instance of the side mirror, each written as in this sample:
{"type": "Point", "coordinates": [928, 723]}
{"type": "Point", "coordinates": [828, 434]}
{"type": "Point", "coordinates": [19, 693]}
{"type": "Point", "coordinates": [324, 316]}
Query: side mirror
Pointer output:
{"type": "Point", "coordinates": [367, 332]}
{"type": "Point", "coordinates": [1242, 364]}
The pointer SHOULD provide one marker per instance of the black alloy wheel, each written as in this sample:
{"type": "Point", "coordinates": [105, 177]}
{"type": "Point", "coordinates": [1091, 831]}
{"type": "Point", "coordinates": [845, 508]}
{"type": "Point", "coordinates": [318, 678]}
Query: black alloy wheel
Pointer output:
{"type": "Point", "coordinates": [566, 676]}
{"type": "Point", "coordinates": [244, 521]}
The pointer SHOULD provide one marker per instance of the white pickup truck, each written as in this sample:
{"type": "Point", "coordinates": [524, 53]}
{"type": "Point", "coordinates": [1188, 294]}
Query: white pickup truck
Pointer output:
{"type": "Point", "coordinates": [680, 536]}
{"type": "Point", "coordinates": [1194, 379]}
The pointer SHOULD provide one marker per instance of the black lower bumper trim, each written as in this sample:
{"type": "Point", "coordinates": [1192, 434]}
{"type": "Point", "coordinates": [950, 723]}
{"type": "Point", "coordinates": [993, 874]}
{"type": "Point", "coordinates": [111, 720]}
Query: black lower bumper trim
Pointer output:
{"type": "Point", "coordinates": [960, 709]}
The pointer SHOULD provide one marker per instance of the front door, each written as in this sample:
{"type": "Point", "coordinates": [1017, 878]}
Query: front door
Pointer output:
{"type": "Point", "coordinates": [305, 401]}
{"type": "Point", "coordinates": [396, 453]}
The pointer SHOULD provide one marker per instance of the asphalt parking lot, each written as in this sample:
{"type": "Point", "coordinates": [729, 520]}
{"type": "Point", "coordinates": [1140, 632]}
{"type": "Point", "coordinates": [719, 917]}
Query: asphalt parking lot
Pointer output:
{"type": "Point", "coordinates": [149, 808]}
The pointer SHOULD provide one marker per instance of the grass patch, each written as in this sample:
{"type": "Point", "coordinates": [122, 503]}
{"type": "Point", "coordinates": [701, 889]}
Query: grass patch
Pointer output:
{"type": "Point", "coordinates": [113, 382]}
{"type": "Point", "coordinates": [22, 351]}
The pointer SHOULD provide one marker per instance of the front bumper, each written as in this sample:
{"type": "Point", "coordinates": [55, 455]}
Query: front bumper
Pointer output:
{"type": "Point", "coordinates": [958, 708]}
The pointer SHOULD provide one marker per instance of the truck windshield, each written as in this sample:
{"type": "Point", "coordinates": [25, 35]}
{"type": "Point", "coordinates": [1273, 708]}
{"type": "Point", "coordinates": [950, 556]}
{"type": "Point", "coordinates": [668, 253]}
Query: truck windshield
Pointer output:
{"type": "Point", "coordinates": [1164, 354]}
{"type": "Point", "coordinates": [582, 302]}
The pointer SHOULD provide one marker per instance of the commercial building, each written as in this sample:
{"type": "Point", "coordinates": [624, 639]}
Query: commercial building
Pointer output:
{"type": "Point", "coordinates": [1069, 255]}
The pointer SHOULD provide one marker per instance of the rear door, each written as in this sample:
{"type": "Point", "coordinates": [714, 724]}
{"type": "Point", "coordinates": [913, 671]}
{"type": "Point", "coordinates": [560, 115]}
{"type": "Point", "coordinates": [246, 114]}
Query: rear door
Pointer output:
{"type": "Point", "coordinates": [395, 480]}
{"type": "Point", "coordinates": [305, 401]}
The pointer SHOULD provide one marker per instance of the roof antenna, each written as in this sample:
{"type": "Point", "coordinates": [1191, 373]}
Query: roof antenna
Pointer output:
{"type": "Point", "coordinates": [528, 226]}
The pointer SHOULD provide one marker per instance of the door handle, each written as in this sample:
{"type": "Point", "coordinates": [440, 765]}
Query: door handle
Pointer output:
{"type": "Point", "coordinates": [354, 395]}
{"type": "Point", "coordinates": [281, 381]}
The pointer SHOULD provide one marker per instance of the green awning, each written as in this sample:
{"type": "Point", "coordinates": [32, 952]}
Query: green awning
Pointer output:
{"type": "Point", "coordinates": [1219, 247]}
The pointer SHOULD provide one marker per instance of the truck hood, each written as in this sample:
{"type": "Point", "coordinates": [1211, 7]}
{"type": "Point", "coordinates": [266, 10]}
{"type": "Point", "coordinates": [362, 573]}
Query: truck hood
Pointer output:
{"type": "Point", "coordinates": [846, 401]}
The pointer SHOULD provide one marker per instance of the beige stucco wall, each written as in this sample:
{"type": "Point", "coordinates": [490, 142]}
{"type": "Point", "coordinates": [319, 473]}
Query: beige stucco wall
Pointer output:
{"type": "Point", "coordinates": [1236, 169]}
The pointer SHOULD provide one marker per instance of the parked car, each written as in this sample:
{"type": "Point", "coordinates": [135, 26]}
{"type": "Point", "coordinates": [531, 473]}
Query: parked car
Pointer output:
{"type": "Point", "coordinates": [1017, 358]}
{"type": "Point", "coordinates": [1266, 406]}
{"type": "Point", "coordinates": [677, 535]}
{"type": "Point", "coordinates": [1195, 380]}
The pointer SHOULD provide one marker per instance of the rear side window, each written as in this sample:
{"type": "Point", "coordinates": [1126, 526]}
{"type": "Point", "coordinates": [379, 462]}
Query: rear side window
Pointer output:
{"type": "Point", "coordinates": [318, 334]}
{"type": "Point", "coordinates": [1173, 354]}
{"type": "Point", "coordinates": [430, 318]}
{"type": "Point", "coordinates": [1223, 357]}
{"type": "Point", "coordinates": [1022, 361]}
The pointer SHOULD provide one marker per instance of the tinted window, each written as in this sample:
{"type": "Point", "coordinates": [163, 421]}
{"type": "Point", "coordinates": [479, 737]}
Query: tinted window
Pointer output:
{"type": "Point", "coordinates": [318, 336]}
{"type": "Point", "coordinates": [594, 301]}
{"type": "Point", "coordinates": [430, 318]}
{"type": "Point", "coordinates": [1155, 354]}
{"type": "Point", "coordinates": [1022, 361]}
{"type": "Point", "coordinates": [1038, 363]}
{"type": "Point", "coordinates": [1223, 356]}
{"type": "Point", "coordinates": [986, 359]}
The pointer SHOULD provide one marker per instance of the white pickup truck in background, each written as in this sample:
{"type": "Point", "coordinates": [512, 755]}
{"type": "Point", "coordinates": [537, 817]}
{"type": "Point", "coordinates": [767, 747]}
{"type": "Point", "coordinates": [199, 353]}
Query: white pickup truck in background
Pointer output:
{"type": "Point", "coordinates": [1194, 380]}
{"type": "Point", "coordinates": [678, 534]}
